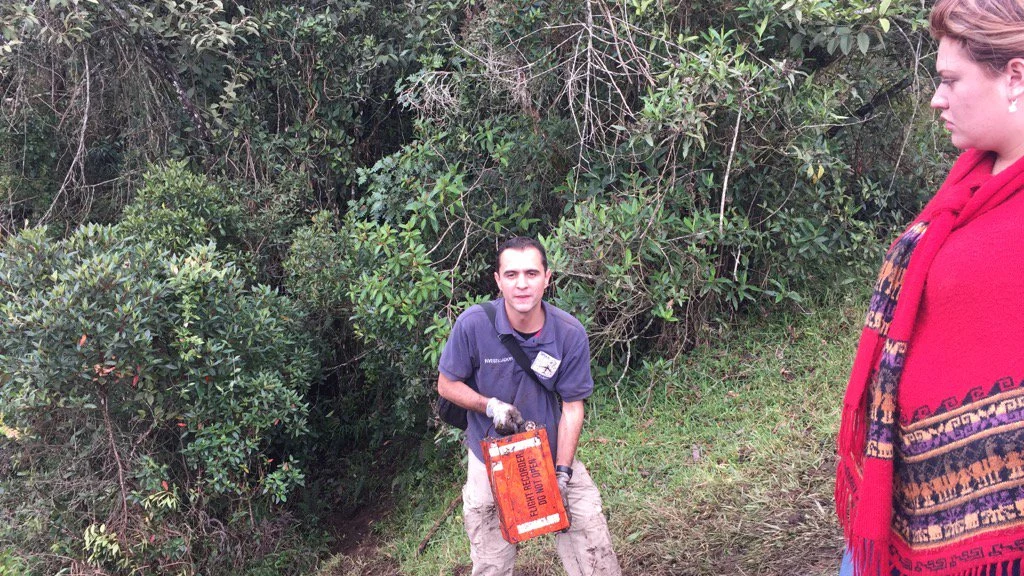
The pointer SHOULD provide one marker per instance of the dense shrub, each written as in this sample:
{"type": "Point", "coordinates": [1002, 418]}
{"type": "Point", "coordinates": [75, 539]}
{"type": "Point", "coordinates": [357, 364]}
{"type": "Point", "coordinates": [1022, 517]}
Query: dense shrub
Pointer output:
{"type": "Point", "coordinates": [767, 127]}
{"type": "Point", "coordinates": [152, 400]}
{"type": "Point", "coordinates": [380, 280]}
{"type": "Point", "coordinates": [176, 208]}
{"type": "Point", "coordinates": [683, 162]}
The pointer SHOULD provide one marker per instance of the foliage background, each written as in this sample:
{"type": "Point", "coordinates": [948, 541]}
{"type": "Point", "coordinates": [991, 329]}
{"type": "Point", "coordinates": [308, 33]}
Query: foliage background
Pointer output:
{"type": "Point", "coordinates": [235, 233]}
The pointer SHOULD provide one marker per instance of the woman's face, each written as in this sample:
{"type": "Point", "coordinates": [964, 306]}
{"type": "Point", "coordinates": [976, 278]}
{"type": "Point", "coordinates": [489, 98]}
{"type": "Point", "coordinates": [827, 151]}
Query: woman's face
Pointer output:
{"type": "Point", "coordinates": [972, 100]}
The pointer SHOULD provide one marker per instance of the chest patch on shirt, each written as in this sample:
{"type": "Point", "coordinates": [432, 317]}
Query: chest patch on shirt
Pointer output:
{"type": "Point", "coordinates": [545, 365]}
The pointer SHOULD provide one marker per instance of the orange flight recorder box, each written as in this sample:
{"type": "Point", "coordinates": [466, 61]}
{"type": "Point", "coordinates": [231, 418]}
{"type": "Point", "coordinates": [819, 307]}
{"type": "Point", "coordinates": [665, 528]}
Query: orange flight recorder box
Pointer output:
{"type": "Point", "coordinates": [525, 488]}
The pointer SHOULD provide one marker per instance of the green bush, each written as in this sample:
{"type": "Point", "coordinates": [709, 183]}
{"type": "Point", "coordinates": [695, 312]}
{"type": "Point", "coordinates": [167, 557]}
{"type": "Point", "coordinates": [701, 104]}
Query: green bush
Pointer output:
{"type": "Point", "coordinates": [156, 402]}
{"type": "Point", "coordinates": [382, 282]}
{"type": "Point", "coordinates": [639, 267]}
{"type": "Point", "coordinates": [176, 208]}
{"type": "Point", "coordinates": [685, 162]}
{"type": "Point", "coordinates": [796, 125]}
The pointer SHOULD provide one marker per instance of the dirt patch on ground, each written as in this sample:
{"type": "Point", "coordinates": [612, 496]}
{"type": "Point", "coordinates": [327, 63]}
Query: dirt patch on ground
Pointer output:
{"type": "Point", "coordinates": [360, 566]}
{"type": "Point", "coordinates": [353, 534]}
{"type": "Point", "coordinates": [356, 547]}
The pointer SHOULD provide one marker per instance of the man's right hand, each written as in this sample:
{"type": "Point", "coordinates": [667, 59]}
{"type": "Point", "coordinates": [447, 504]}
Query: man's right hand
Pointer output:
{"type": "Point", "coordinates": [507, 419]}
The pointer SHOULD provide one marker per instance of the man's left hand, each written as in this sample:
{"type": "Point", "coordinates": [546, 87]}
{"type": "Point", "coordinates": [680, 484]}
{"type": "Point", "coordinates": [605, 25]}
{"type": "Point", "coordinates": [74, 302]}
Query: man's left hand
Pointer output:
{"type": "Point", "coordinates": [563, 483]}
{"type": "Point", "coordinates": [563, 478]}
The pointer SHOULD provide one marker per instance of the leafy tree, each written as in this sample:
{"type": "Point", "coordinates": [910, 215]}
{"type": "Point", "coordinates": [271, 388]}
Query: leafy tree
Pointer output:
{"type": "Point", "coordinates": [152, 400]}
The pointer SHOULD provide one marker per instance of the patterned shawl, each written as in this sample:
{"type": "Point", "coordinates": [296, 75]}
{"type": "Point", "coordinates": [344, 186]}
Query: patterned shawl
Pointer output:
{"type": "Point", "coordinates": [868, 433]}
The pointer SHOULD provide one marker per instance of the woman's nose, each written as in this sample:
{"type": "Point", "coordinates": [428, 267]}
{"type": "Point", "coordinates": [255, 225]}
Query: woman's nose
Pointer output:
{"type": "Point", "coordinates": [938, 100]}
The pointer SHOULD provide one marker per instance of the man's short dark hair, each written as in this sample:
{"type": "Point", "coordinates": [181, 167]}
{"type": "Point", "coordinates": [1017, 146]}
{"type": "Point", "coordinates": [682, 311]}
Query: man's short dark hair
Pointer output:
{"type": "Point", "coordinates": [521, 243]}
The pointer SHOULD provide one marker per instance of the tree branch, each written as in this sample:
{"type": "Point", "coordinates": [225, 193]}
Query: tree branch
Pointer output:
{"type": "Point", "coordinates": [156, 60]}
{"type": "Point", "coordinates": [883, 97]}
{"type": "Point", "coordinates": [117, 456]}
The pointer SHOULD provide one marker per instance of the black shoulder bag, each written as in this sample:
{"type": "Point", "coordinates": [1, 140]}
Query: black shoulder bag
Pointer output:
{"type": "Point", "coordinates": [457, 416]}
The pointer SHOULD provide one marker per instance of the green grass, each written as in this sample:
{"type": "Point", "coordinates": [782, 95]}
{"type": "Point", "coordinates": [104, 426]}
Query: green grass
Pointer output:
{"type": "Point", "coordinates": [718, 463]}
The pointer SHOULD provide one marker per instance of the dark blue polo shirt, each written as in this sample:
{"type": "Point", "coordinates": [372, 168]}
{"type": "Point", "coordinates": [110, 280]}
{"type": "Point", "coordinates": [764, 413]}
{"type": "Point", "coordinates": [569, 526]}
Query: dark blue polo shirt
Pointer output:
{"type": "Point", "coordinates": [559, 355]}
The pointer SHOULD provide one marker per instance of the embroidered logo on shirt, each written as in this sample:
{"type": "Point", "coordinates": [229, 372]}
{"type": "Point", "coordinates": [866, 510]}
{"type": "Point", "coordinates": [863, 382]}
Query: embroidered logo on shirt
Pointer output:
{"type": "Point", "coordinates": [497, 360]}
{"type": "Point", "coordinates": [545, 365]}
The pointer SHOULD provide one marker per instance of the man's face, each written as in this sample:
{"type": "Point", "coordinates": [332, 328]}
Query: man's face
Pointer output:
{"type": "Point", "coordinates": [521, 278]}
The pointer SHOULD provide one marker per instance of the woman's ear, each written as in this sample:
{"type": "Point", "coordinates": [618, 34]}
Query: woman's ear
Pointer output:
{"type": "Point", "coordinates": [1015, 76]}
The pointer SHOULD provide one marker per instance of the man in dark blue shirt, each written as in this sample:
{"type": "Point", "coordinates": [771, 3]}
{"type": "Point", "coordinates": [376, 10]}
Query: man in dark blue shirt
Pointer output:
{"type": "Point", "coordinates": [557, 346]}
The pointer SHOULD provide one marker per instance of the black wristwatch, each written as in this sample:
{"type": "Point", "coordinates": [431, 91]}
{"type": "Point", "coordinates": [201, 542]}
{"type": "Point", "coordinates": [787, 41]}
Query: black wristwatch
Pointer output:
{"type": "Point", "coordinates": [566, 469]}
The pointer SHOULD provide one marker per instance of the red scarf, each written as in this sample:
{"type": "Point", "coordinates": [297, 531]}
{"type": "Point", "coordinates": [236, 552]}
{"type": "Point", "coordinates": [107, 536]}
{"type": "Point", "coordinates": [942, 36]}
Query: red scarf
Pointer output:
{"type": "Point", "coordinates": [868, 433]}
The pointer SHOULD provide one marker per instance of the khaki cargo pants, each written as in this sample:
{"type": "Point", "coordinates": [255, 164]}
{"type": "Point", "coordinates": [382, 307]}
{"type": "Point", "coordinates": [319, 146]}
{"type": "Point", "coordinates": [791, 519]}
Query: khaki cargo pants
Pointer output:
{"type": "Point", "coordinates": [585, 549]}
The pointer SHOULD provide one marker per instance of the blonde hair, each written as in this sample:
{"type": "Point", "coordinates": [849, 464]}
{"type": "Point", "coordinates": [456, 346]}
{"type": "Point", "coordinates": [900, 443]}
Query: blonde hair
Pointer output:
{"type": "Point", "coordinates": [992, 31]}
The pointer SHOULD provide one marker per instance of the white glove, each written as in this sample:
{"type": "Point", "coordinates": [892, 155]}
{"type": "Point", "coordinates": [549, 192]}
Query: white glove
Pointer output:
{"type": "Point", "coordinates": [507, 419]}
{"type": "Point", "coordinates": [563, 489]}
{"type": "Point", "coordinates": [563, 482]}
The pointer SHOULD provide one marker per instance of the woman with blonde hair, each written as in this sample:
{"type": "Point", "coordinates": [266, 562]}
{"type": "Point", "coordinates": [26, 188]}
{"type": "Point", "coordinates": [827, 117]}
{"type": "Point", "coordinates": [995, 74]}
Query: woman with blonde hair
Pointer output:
{"type": "Point", "coordinates": [931, 446]}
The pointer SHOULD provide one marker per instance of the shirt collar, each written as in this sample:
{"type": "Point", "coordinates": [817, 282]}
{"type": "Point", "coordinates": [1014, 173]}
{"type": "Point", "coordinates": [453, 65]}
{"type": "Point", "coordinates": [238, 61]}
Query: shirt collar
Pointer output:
{"type": "Point", "coordinates": [503, 326]}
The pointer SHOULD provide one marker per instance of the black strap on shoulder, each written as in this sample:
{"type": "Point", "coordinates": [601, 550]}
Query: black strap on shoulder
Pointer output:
{"type": "Point", "coordinates": [509, 341]}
